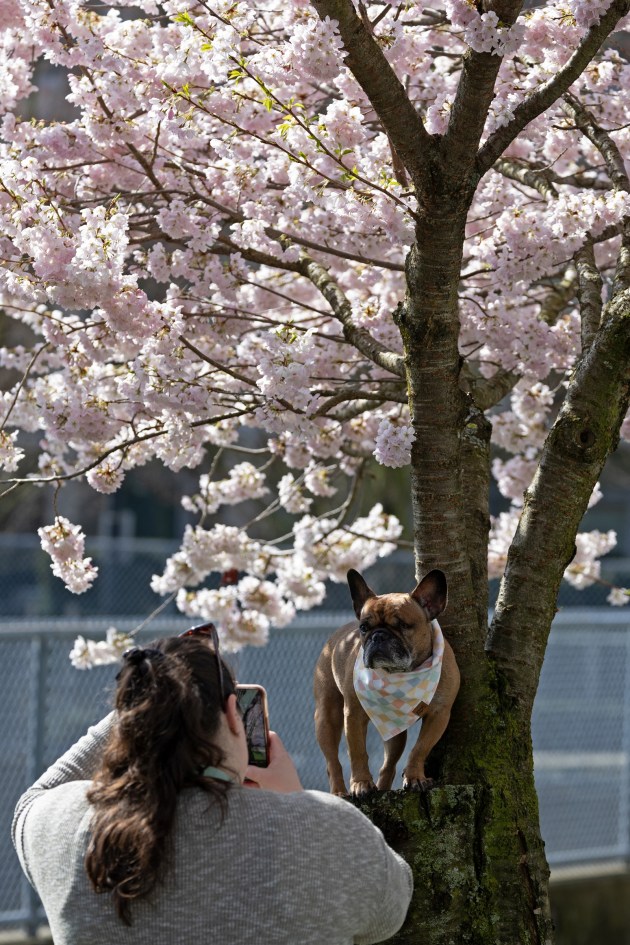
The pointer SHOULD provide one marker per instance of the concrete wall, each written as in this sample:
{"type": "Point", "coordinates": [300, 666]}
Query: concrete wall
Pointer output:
{"type": "Point", "coordinates": [592, 908]}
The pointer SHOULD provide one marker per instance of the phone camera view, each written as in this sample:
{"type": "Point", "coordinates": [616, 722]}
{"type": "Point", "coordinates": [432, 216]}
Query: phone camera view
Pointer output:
{"type": "Point", "coordinates": [251, 702]}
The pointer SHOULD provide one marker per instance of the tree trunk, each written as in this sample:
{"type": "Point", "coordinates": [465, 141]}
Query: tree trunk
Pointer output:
{"type": "Point", "coordinates": [473, 842]}
{"type": "Point", "coordinates": [458, 840]}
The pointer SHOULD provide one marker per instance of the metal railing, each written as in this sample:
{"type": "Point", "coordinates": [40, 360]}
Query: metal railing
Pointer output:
{"type": "Point", "coordinates": [581, 724]}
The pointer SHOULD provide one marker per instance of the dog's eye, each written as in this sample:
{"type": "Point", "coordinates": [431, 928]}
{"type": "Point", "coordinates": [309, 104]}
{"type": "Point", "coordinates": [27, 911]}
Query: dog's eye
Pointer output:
{"type": "Point", "coordinates": [403, 626]}
{"type": "Point", "coordinates": [363, 628]}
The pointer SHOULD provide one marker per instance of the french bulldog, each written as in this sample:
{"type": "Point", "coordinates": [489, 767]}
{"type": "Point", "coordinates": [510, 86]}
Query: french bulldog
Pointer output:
{"type": "Point", "coordinates": [394, 635]}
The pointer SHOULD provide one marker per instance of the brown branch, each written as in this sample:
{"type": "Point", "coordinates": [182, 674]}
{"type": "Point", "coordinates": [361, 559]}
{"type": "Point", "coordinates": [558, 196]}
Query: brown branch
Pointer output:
{"type": "Point", "coordinates": [589, 293]}
{"type": "Point", "coordinates": [583, 436]}
{"type": "Point", "coordinates": [473, 98]}
{"type": "Point", "coordinates": [585, 121]}
{"type": "Point", "coordinates": [353, 333]}
{"type": "Point", "coordinates": [356, 409]}
{"type": "Point", "coordinates": [225, 246]}
{"type": "Point", "coordinates": [621, 280]}
{"type": "Point", "coordinates": [220, 367]}
{"type": "Point", "coordinates": [487, 392]}
{"type": "Point", "coordinates": [386, 392]}
{"type": "Point", "coordinates": [475, 466]}
{"type": "Point", "coordinates": [616, 168]}
{"type": "Point", "coordinates": [369, 66]}
{"type": "Point", "coordinates": [400, 172]}
{"type": "Point", "coordinates": [540, 180]}
{"type": "Point", "coordinates": [120, 447]}
{"type": "Point", "coordinates": [549, 92]}
{"type": "Point", "coordinates": [560, 294]}
{"type": "Point", "coordinates": [608, 233]}
{"type": "Point", "coordinates": [22, 382]}
{"type": "Point", "coordinates": [283, 236]}
{"type": "Point", "coordinates": [578, 180]}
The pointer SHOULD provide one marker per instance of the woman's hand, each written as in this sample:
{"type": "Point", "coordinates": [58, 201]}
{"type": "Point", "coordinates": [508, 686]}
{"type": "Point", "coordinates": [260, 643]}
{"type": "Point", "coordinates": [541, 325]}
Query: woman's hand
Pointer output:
{"type": "Point", "coordinates": [280, 774]}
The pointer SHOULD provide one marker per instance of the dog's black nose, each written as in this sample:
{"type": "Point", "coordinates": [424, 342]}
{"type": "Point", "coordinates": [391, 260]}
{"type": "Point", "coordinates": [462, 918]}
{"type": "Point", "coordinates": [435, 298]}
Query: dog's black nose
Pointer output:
{"type": "Point", "coordinates": [379, 636]}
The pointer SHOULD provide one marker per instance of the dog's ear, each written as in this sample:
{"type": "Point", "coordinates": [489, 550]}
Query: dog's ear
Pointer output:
{"type": "Point", "coordinates": [359, 590]}
{"type": "Point", "coordinates": [432, 593]}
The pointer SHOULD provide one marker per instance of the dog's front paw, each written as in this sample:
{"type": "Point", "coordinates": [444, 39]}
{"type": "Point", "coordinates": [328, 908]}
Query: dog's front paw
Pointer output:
{"type": "Point", "coordinates": [417, 784]}
{"type": "Point", "coordinates": [362, 788]}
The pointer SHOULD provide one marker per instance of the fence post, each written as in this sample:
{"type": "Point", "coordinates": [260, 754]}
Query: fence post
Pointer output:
{"type": "Point", "coordinates": [624, 787]}
{"type": "Point", "coordinates": [35, 753]}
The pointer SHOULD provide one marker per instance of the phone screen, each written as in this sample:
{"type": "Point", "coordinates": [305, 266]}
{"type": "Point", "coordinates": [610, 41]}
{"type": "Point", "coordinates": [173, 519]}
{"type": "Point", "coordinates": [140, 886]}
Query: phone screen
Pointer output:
{"type": "Point", "coordinates": [252, 703]}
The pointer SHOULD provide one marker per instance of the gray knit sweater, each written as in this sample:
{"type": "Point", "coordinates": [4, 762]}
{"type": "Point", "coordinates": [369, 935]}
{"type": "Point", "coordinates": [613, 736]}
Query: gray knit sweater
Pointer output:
{"type": "Point", "coordinates": [302, 869]}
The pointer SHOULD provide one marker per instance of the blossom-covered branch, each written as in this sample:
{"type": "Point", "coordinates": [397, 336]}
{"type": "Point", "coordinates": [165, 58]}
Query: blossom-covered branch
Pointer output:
{"type": "Point", "coordinates": [342, 308]}
{"type": "Point", "coordinates": [367, 62]}
{"type": "Point", "coordinates": [602, 20]}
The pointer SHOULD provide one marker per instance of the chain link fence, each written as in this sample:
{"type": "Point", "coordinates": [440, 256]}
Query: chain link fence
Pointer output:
{"type": "Point", "coordinates": [581, 735]}
{"type": "Point", "coordinates": [581, 724]}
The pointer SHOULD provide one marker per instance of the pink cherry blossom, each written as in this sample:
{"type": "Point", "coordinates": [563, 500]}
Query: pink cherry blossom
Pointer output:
{"type": "Point", "coordinates": [65, 543]}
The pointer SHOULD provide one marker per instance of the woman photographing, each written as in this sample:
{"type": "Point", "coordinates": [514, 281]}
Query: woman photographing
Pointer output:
{"type": "Point", "coordinates": [147, 831]}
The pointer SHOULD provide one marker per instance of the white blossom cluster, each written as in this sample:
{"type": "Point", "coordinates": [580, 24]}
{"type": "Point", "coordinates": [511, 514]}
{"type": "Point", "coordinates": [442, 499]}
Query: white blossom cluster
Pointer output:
{"type": "Point", "coordinates": [86, 654]}
{"type": "Point", "coordinates": [482, 31]}
{"type": "Point", "coordinates": [244, 482]}
{"type": "Point", "coordinates": [393, 442]}
{"type": "Point", "coordinates": [65, 543]}
{"type": "Point", "coordinates": [10, 454]}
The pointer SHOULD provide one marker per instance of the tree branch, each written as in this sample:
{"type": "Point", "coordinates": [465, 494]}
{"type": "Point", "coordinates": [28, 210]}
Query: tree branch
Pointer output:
{"type": "Point", "coordinates": [22, 382]}
{"type": "Point", "coordinates": [216, 364]}
{"type": "Point", "coordinates": [559, 295]}
{"type": "Point", "coordinates": [538, 179]}
{"type": "Point", "coordinates": [366, 61]}
{"type": "Point", "coordinates": [589, 293]}
{"type": "Point", "coordinates": [476, 484]}
{"type": "Point", "coordinates": [474, 95]}
{"type": "Point", "coordinates": [393, 392]}
{"type": "Point", "coordinates": [353, 333]}
{"type": "Point", "coordinates": [583, 436]}
{"type": "Point", "coordinates": [281, 236]}
{"type": "Point", "coordinates": [359, 337]}
{"type": "Point", "coordinates": [549, 92]}
{"type": "Point", "coordinates": [586, 123]}
{"type": "Point", "coordinates": [609, 233]}
{"type": "Point", "coordinates": [487, 392]}
{"type": "Point", "coordinates": [616, 168]}
{"type": "Point", "coordinates": [119, 448]}
{"type": "Point", "coordinates": [225, 246]}
{"type": "Point", "coordinates": [355, 410]}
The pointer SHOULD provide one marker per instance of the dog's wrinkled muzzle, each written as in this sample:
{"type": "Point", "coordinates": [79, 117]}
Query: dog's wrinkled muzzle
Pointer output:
{"type": "Point", "coordinates": [383, 650]}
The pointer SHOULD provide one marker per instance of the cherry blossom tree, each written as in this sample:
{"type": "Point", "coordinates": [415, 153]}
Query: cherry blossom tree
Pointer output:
{"type": "Point", "coordinates": [374, 233]}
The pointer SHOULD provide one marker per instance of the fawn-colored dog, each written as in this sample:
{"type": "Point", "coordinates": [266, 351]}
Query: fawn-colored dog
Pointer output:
{"type": "Point", "coordinates": [395, 634]}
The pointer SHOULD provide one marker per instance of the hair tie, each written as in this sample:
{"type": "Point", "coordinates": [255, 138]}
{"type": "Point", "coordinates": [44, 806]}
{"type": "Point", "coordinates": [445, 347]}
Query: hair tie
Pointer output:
{"type": "Point", "coordinates": [136, 655]}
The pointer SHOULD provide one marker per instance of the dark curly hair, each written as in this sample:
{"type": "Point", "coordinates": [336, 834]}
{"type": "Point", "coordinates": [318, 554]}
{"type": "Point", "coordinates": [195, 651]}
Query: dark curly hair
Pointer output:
{"type": "Point", "coordinates": [169, 705]}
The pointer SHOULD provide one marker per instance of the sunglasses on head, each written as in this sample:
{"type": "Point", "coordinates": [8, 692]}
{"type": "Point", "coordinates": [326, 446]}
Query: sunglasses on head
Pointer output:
{"type": "Point", "coordinates": [209, 630]}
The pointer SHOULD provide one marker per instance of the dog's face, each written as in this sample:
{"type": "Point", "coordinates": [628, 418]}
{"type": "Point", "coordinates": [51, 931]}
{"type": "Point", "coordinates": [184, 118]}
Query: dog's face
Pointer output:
{"type": "Point", "coordinates": [395, 629]}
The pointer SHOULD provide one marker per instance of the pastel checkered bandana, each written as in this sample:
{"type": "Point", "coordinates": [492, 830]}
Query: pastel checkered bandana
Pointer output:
{"type": "Point", "coordinates": [390, 698]}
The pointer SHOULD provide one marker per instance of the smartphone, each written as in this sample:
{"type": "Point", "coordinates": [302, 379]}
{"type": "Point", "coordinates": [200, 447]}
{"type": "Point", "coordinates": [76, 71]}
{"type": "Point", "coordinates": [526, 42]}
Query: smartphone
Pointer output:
{"type": "Point", "coordinates": [252, 701]}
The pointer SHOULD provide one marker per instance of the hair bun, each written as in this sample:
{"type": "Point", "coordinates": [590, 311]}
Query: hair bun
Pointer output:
{"type": "Point", "coordinates": [138, 654]}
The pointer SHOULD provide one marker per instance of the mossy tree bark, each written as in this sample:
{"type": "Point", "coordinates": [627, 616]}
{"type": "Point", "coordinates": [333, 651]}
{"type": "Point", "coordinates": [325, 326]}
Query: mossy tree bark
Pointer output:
{"type": "Point", "coordinates": [474, 841]}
